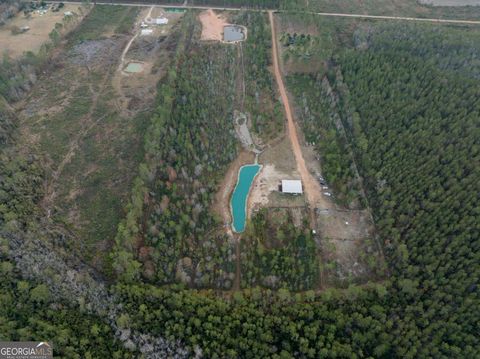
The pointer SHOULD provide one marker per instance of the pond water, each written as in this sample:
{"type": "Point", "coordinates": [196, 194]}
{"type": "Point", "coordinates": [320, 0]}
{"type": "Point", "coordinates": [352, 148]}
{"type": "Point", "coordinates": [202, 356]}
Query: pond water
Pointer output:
{"type": "Point", "coordinates": [238, 203]}
{"type": "Point", "coordinates": [134, 67]}
{"type": "Point", "coordinates": [232, 33]}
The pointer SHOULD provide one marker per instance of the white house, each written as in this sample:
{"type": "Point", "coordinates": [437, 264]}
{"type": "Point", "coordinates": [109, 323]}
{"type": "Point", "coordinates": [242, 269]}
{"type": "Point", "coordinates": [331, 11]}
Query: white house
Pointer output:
{"type": "Point", "coordinates": [292, 186]}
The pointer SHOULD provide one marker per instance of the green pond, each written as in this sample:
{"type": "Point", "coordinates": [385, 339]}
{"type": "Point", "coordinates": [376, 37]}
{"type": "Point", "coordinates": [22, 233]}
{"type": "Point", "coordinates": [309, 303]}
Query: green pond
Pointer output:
{"type": "Point", "coordinates": [134, 67]}
{"type": "Point", "coordinates": [238, 203]}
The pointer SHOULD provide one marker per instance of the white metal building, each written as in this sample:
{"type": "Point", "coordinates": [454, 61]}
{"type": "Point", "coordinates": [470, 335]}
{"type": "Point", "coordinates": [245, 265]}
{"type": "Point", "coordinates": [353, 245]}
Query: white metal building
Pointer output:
{"type": "Point", "coordinates": [292, 186]}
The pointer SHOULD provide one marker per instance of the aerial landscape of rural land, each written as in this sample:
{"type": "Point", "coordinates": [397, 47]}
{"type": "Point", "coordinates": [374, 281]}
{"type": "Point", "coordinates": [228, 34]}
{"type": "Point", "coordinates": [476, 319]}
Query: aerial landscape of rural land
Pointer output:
{"type": "Point", "coordinates": [240, 179]}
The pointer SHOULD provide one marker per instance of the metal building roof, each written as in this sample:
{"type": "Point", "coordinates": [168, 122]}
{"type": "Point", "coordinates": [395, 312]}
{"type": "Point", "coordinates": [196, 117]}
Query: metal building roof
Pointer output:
{"type": "Point", "coordinates": [292, 186]}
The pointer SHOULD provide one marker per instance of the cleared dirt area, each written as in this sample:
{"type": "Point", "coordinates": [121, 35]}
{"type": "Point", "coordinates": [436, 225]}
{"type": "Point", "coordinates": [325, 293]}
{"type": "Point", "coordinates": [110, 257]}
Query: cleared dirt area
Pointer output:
{"type": "Point", "coordinates": [351, 254]}
{"type": "Point", "coordinates": [40, 27]}
{"type": "Point", "coordinates": [278, 163]}
{"type": "Point", "coordinates": [212, 25]}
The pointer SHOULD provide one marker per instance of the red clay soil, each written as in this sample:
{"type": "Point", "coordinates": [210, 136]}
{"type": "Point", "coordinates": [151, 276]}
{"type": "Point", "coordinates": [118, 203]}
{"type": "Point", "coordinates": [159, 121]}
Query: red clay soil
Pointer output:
{"type": "Point", "coordinates": [212, 25]}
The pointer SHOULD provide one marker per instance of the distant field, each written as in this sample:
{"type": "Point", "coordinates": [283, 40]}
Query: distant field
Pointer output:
{"type": "Point", "coordinates": [442, 9]}
{"type": "Point", "coordinates": [450, 2]}
{"type": "Point", "coordinates": [40, 28]}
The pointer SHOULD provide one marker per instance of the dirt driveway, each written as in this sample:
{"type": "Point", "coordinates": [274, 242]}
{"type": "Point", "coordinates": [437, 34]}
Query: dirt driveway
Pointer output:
{"type": "Point", "coordinates": [311, 186]}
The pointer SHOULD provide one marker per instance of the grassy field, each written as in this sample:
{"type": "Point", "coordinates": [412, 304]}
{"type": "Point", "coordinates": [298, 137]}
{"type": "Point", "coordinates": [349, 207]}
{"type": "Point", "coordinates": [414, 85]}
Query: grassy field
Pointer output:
{"type": "Point", "coordinates": [105, 21]}
{"type": "Point", "coordinates": [394, 8]}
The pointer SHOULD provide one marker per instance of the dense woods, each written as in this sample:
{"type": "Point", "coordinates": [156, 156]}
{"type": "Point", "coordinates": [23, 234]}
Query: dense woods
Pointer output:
{"type": "Point", "coordinates": [413, 100]}
{"type": "Point", "coordinates": [256, 323]}
{"type": "Point", "coordinates": [28, 311]}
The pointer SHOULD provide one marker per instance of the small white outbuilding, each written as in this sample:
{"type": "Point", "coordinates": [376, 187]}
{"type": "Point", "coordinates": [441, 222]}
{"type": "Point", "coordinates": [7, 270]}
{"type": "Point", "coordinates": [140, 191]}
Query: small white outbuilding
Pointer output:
{"type": "Point", "coordinates": [146, 32]}
{"type": "Point", "coordinates": [292, 186]}
{"type": "Point", "coordinates": [161, 21]}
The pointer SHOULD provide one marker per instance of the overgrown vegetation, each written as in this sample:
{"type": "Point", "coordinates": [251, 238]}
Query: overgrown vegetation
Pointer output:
{"type": "Point", "coordinates": [255, 57]}
{"type": "Point", "coordinates": [9, 8]}
{"type": "Point", "coordinates": [277, 254]}
{"type": "Point", "coordinates": [118, 19]}
{"type": "Point", "coordinates": [88, 147]}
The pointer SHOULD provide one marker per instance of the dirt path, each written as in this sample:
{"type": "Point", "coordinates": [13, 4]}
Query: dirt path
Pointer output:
{"type": "Point", "coordinates": [238, 266]}
{"type": "Point", "coordinates": [122, 101]}
{"type": "Point", "coordinates": [311, 187]}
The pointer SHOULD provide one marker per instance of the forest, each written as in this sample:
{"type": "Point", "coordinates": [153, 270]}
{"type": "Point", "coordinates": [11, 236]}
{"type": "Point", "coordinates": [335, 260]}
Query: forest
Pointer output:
{"type": "Point", "coordinates": [416, 143]}
{"type": "Point", "coordinates": [246, 4]}
{"type": "Point", "coordinates": [410, 100]}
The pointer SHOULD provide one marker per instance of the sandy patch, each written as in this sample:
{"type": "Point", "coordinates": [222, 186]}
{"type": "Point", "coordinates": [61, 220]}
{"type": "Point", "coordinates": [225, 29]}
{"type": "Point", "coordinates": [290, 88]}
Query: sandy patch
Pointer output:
{"type": "Point", "coordinates": [212, 25]}
{"type": "Point", "coordinates": [265, 183]}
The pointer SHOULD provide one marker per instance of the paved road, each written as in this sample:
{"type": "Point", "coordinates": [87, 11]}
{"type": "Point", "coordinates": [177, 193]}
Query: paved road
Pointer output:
{"type": "Point", "coordinates": [357, 16]}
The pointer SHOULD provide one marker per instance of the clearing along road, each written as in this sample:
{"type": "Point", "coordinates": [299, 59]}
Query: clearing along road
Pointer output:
{"type": "Point", "coordinates": [311, 187]}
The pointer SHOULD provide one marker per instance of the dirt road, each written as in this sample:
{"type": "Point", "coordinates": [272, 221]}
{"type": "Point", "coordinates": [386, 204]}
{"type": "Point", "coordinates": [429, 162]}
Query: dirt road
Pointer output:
{"type": "Point", "coordinates": [310, 184]}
